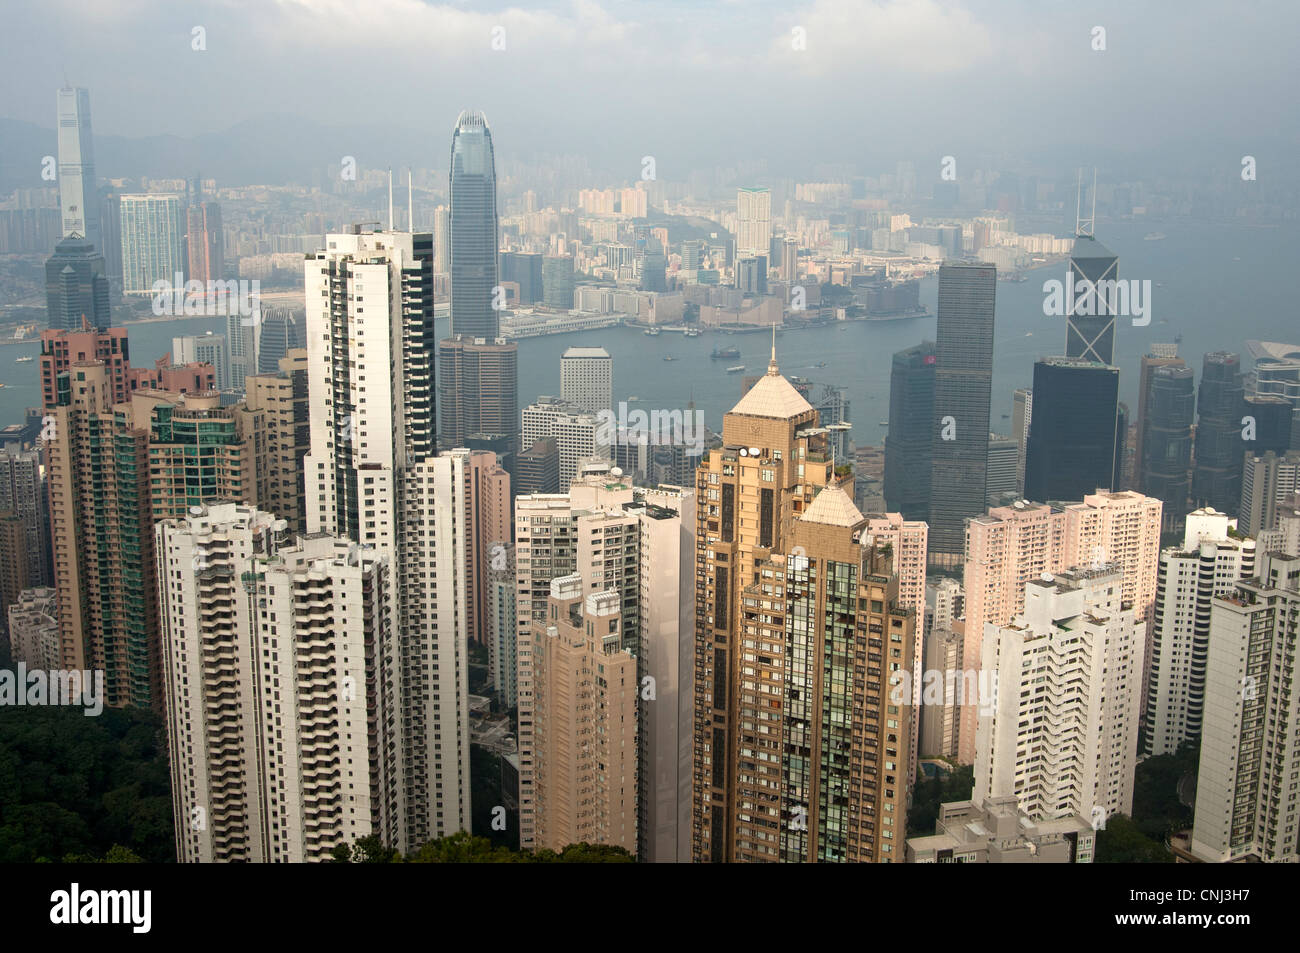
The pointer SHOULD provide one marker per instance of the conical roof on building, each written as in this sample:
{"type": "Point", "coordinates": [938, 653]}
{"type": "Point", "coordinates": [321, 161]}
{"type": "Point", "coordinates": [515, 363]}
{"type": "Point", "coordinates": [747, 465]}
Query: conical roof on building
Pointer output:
{"type": "Point", "coordinates": [833, 507]}
{"type": "Point", "coordinates": [772, 395]}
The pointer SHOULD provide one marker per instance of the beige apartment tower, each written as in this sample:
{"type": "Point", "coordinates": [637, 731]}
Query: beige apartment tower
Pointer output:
{"type": "Point", "coordinates": [585, 702]}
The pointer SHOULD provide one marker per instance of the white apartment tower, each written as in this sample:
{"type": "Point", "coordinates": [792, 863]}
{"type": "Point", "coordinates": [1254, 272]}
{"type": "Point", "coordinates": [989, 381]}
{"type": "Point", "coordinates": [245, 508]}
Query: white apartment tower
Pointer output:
{"type": "Point", "coordinates": [1060, 732]}
{"type": "Point", "coordinates": [753, 222]}
{"type": "Point", "coordinates": [586, 378]}
{"type": "Point", "coordinates": [1211, 561]}
{"type": "Point", "coordinates": [372, 476]}
{"type": "Point", "coordinates": [269, 657]}
{"type": "Point", "coordinates": [1247, 803]}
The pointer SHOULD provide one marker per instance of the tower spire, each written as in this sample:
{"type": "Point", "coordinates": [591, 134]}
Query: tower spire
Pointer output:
{"type": "Point", "coordinates": [410, 202]}
{"type": "Point", "coordinates": [772, 369]}
{"type": "Point", "coordinates": [390, 198]}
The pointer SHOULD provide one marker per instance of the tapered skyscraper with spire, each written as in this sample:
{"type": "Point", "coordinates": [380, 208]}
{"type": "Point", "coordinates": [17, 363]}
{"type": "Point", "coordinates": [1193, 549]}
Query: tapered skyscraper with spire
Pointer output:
{"type": "Point", "coordinates": [478, 369]}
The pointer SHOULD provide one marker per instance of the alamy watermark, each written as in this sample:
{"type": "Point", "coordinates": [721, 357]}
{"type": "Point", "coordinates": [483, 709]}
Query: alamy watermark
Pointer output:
{"type": "Point", "coordinates": [213, 298]}
{"type": "Point", "coordinates": [1109, 296]}
{"type": "Point", "coordinates": [57, 687]}
{"type": "Point", "coordinates": [658, 427]}
{"type": "Point", "coordinates": [947, 687]}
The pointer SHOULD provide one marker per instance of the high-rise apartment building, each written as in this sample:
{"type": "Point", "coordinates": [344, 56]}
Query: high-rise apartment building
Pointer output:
{"type": "Point", "coordinates": [1075, 440]}
{"type": "Point", "coordinates": [152, 246]}
{"type": "Point", "coordinates": [1061, 728]}
{"type": "Point", "coordinates": [205, 243]}
{"type": "Point", "coordinates": [78, 194]}
{"type": "Point", "coordinates": [77, 287]}
{"type": "Point", "coordinates": [33, 627]}
{"type": "Point", "coordinates": [371, 476]}
{"type": "Point", "coordinates": [910, 439]}
{"type": "Point", "coordinates": [753, 222]}
{"type": "Point", "coordinates": [773, 555]}
{"type": "Point", "coordinates": [25, 497]}
{"type": "Point", "coordinates": [209, 348]}
{"type": "Point", "coordinates": [538, 468]}
{"type": "Point", "coordinates": [586, 378]}
{"type": "Point", "coordinates": [962, 393]}
{"type": "Point", "coordinates": [1267, 481]}
{"type": "Point", "coordinates": [442, 240]}
{"type": "Point", "coordinates": [638, 543]}
{"type": "Point", "coordinates": [1013, 545]}
{"type": "Point", "coordinates": [259, 633]}
{"type": "Point", "coordinates": [585, 691]}
{"type": "Point", "coordinates": [1213, 558]}
{"type": "Point", "coordinates": [1245, 805]}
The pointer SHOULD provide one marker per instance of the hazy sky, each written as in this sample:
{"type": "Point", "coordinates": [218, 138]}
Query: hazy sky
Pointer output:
{"type": "Point", "coordinates": [1181, 82]}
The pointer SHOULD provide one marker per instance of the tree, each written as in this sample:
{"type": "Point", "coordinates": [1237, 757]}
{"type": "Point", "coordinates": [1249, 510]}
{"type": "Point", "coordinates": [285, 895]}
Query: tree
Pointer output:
{"type": "Point", "coordinates": [1121, 842]}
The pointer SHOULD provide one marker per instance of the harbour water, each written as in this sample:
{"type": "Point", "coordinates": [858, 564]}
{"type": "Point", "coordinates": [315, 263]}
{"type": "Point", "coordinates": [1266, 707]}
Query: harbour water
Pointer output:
{"type": "Point", "coordinates": [1216, 285]}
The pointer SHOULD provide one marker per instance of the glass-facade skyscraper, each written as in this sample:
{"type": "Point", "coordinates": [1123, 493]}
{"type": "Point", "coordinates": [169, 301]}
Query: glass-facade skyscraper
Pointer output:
{"type": "Point", "coordinates": [1091, 336]}
{"type": "Point", "coordinates": [1075, 435]}
{"type": "Point", "coordinates": [963, 385]}
{"type": "Point", "coordinates": [473, 237]}
{"type": "Point", "coordinates": [911, 432]}
{"type": "Point", "coordinates": [76, 286]}
{"type": "Point", "coordinates": [78, 198]}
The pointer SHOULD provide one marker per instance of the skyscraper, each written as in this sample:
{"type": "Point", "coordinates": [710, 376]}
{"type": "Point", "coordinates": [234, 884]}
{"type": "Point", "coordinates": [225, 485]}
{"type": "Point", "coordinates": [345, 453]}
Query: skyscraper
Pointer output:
{"type": "Point", "coordinates": [1165, 438]}
{"type": "Point", "coordinates": [1244, 803]}
{"type": "Point", "coordinates": [525, 270]}
{"type": "Point", "coordinates": [77, 287]}
{"type": "Point", "coordinates": [295, 644]}
{"type": "Point", "coordinates": [478, 391]}
{"type": "Point", "coordinates": [372, 477]}
{"type": "Point", "coordinates": [152, 230]}
{"type": "Point", "coordinates": [753, 222]}
{"type": "Point", "coordinates": [1161, 355]}
{"type": "Point", "coordinates": [442, 240]}
{"type": "Point", "coordinates": [280, 332]}
{"type": "Point", "coordinates": [963, 379]}
{"type": "Point", "coordinates": [586, 375]}
{"type": "Point", "coordinates": [557, 282]}
{"type": "Point", "coordinates": [1074, 439]}
{"type": "Point", "coordinates": [1090, 317]}
{"type": "Point", "coordinates": [1268, 481]}
{"type": "Point", "coordinates": [25, 496]}
{"type": "Point", "coordinates": [1216, 480]}
{"type": "Point", "coordinates": [78, 195]}
{"type": "Point", "coordinates": [764, 527]}
{"type": "Point", "coordinates": [1074, 631]}
{"type": "Point", "coordinates": [1022, 416]}
{"type": "Point", "coordinates": [1212, 558]}
{"type": "Point", "coordinates": [584, 693]}
{"type": "Point", "coordinates": [205, 243]}
{"type": "Point", "coordinates": [473, 232]}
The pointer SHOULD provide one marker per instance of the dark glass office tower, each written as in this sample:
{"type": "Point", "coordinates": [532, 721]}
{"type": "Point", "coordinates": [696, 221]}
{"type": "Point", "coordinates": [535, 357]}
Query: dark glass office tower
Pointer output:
{"type": "Point", "coordinates": [479, 393]}
{"type": "Point", "coordinates": [76, 286]}
{"type": "Point", "coordinates": [909, 441]}
{"type": "Point", "coordinates": [525, 270]}
{"type": "Point", "coordinates": [963, 381]}
{"type": "Point", "coordinates": [1165, 466]}
{"type": "Point", "coordinates": [1271, 414]}
{"type": "Point", "coordinates": [1220, 450]}
{"type": "Point", "coordinates": [1075, 431]}
{"type": "Point", "coordinates": [281, 331]}
{"type": "Point", "coordinates": [473, 228]}
{"type": "Point", "coordinates": [1091, 336]}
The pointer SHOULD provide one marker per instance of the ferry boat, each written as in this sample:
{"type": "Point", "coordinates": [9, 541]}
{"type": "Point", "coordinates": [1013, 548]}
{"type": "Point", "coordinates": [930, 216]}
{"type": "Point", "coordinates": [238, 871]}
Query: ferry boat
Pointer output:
{"type": "Point", "coordinates": [24, 360]}
{"type": "Point", "coordinates": [692, 332]}
{"type": "Point", "coordinates": [1154, 236]}
{"type": "Point", "coordinates": [651, 332]}
{"type": "Point", "coordinates": [736, 370]}
{"type": "Point", "coordinates": [669, 357]}
{"type": "Point", "coordinates": [725, 353]}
